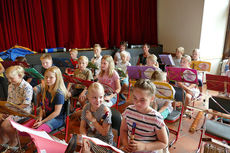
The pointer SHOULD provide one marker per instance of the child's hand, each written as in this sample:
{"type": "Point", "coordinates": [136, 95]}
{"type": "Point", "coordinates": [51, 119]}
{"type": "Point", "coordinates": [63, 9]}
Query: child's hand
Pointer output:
{"type": "Point", "coordinates": [136, 146]}
{"type": "Point", "coordinates": [3, 116]}
{"type": "Point", "coordinates": [82, 97]}
{"type": "Point", "coordinates": [126, 148]}
{"type": "Point", "coordinates": [89, 116]}
{"type": "Point", "coordinates": [37, 123]}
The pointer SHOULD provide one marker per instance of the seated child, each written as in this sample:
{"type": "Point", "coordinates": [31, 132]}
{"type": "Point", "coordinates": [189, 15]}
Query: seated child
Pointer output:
{"type": "Point", "coordinates": [152, 61]}
{"type": "Point", "coordinates": [117, 56]}
{"type": "Point", "coordinates": [150, 134]}
{"type": "Point", "coordinates": [124, 62]}
{"type": "Point", "coordinates": [163, 106]}
{"type": "Point", "coordinates": [196, 55]}
{"type": "Point", "coordinates": [179, 54]}
{"type": "Point", "coordinates": [73, 54]}
{"type": "Point", "coordinates": [23, 59]}
{"type": "Point", "coordinates": [3, 82]}
{"type": "Point", "coordinates": [83, 73]}
{"type": "Point", "coordinates": [20, 93]}
{"type": "Point", "coordinates": [52, 112]}
{"type": "Point", "coordinates": [109, 76]}
{"type": "Point", "coordinates": [191, 89]}
{"type": "Point", "coordinates": [97, 58]}
{"type": "Point", "coordinates": [123, 66]}
{"type": "Point", "coordinates": [47, 62]}
{"type": "Point", "coordinates": [92, 114]}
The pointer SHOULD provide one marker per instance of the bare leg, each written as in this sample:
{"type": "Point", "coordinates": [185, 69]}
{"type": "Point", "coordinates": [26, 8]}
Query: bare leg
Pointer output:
{"type": "Point", "coordinates": [188, 98]}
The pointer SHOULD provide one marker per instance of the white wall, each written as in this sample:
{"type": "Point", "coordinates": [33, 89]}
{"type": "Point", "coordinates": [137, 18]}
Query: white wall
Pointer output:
{"type": "Point", "coordinates": [179, 24]}
{"type": "Point", "coordinates": [194, 24]}
{"type": "Point", "coordinates": [213, 32]}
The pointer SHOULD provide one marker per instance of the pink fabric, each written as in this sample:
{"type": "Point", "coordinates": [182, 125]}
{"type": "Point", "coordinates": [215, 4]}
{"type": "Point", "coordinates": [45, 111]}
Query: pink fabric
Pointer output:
{"type": "Point", "coordinates": [44, 127]}
{"type": "Point", "coordinates": [109, 81]}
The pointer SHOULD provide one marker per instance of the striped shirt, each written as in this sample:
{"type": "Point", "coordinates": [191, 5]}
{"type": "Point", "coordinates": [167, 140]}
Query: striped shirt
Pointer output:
{"type": "Point", "coordinates": [146, 124]}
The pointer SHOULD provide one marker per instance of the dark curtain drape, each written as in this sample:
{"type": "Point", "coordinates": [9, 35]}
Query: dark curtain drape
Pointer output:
{"type": "Point", "coordinates": [41, 24]}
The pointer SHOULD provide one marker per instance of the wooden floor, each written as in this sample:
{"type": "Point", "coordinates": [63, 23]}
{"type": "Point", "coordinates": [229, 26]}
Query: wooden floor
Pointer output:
{"type": "Point", "coordinates": [187, 142]}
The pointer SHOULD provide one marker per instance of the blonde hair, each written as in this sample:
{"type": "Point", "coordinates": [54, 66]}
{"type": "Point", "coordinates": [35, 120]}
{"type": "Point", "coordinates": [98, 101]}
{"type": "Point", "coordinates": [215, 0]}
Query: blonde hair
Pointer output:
{"type": "Point", "coordinates": [158, 76]}
{"type": "Point", "coordinates": [187, 57]}
{"type": "Point", "coordinates": [152, 57]}
{"type": "Point", "coordinates": [83, 58]}
{"type": "Point", "coordinates": [74, 50]}
{"type": "Point", "coordinates": [181, 50]}
{"type": "Point", "coordinates": [95, 86]}
{"type": "Point", "coordinates": [46, 56]}
{"type": "Point", "coordinates": [58, 85]}
{"type": "Point", "coordinates": [124, 53]}
{"type": "Point", "coordinates": [196, 50]}
{"type": "Point", "coordinates": [97, 46]}
{"type": "Point", "coordinates": [108, 59]}
{"type": "Point", "coordinates": [15, 70]}
{"type": "Point", "coordinates": [146, 84]}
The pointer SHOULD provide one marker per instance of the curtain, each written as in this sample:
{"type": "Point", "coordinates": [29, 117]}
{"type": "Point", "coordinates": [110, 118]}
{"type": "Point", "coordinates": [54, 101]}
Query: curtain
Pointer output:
{"type": "Point", "coordinates": [39, 24]}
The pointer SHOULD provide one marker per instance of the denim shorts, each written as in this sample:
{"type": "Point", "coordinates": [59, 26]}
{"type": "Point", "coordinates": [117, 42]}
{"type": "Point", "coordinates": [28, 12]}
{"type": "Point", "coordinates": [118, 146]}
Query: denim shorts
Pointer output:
{"type": "Point", "coordinates": [55, 123]}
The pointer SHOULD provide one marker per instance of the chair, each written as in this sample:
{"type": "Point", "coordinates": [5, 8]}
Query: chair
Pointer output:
{"type": "Point", "coordinates": [176, 114]}
{"type": "Point", "coordinates": [116, 123]}
{"type": "Point", "coordinates": [65, 126]}
{"type": "Point", "coordinates": [216, 129]}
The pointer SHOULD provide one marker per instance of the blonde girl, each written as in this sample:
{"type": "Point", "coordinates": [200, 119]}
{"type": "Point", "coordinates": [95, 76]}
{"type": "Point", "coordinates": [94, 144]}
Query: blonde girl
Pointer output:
{"type": "Point", "coordinates": [110, 77]}
{"type": "Point", "coordinates": [20, 93]}
{"type": "Point", "coordinates": [52, 113]}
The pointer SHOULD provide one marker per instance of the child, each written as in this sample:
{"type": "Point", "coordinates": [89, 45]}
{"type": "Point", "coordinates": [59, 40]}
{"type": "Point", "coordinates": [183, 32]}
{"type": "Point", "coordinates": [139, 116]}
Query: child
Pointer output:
{"type": "Point", "coordinates": [179, 54]}
{"type": "Point", "coordinates": [144, 55]}
{"type": "Point", "coordinates": [117, 56]}
{"type": "Point", "coordinates": [92, 114]}
{"type": "Point", "coordinates": [163, 106]}
{"type": "Point", "coordinates": [83, 73]}
{"type": "Point", "coordinates": [73, 54]}
{"type": "Point", "coordinates": [110, 77]}
{"type": "Point", "coordinates": [150, 133]}
{"type": "Point", "coordinates": [124, 62]}
{"type": "Point", "coordinates": [23, 59]}
{"type": "Point", "coordinates": [123, 66]}
{"type": "Point", "coordinates": [196, 55]}
{"type": "Point", "coordinates": [52, 112]}
{"type": "Point", "coordinates": [97, 58]}
{"type": "Point", "coordinates": [3, 81]}
{"type": "Point", "coordinates": [47, 62]}
{"type": "Point", "coordinates": [191, 89]}
{"type": "Point", "coordinates": [152, 61]}
{"type": "Point", "coordinates": [20, 93]}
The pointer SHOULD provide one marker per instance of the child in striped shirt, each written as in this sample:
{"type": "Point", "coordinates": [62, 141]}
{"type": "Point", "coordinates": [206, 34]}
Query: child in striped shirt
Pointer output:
{"type": "Point", "coordinates": [150, 133]}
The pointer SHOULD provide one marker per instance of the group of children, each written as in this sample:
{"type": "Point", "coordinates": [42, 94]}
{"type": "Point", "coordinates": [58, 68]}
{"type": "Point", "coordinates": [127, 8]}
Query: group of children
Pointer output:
{"type": "Point", "coordinates": [150, 133]}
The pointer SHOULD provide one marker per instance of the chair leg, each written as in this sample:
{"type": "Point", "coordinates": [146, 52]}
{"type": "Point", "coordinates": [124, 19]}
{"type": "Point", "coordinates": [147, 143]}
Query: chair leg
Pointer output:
{"type": "Point", "coordinates": [118, 141]}
{"type": "Point", "coordinates": [66, 128]}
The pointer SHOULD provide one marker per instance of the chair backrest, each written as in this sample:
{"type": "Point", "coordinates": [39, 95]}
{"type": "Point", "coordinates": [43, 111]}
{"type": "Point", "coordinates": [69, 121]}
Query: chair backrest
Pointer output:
{"type": "Point", "coordinates": [116, 120]}
{"type": "Point", "coordinates": [222, 102]}
{"type": "Point", "coordinates": [180, 94]}
{"type": "Point", "coordinates": [164, 90]}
